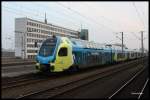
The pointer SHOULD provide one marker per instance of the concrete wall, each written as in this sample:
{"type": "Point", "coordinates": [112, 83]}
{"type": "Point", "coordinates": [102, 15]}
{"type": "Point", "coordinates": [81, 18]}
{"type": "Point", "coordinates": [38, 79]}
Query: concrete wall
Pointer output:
{"type": "Point", "coordinates": [20, 30]}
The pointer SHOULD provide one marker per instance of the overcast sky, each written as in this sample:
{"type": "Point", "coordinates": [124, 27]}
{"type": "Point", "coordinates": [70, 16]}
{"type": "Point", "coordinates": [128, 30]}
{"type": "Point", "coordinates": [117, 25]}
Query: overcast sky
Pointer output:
{"type": "Point", "coordinates": [103, 19]}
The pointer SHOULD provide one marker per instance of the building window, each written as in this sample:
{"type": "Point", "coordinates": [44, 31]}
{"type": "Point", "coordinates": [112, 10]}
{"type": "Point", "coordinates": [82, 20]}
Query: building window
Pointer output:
{"type": "Point", "coordinates": [34, 30]}
{"type": "Point", "coordinates": [41, 26]}
{"type": "Point", "coordinates": [38, 30]}
{"type": "Point", "coordinates": [28, 23]}
{"type": "Point", "coordinates": [28, 29]}
{"type": "Point", "coordinates": [52, 28]}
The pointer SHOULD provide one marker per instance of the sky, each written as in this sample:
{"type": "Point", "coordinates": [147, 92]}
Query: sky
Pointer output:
{"type": "Point", "coordinates": [104, 20]}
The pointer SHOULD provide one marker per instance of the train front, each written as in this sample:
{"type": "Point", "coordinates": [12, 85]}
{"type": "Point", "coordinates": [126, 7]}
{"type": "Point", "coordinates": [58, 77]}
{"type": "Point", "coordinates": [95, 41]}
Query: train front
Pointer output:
{"type": "Point", "coordinates": [46, 55]}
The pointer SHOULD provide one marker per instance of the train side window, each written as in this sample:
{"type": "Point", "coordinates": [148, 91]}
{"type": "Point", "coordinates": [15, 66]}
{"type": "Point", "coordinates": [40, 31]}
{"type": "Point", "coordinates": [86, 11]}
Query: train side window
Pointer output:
{"type": "Point", "coordinates": [63, 52]}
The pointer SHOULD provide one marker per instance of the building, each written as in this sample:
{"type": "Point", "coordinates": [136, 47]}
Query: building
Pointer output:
{"type": "Point", "coordinates": [84, 34]}
{"type": "Point", "coordinates": [29, 31]}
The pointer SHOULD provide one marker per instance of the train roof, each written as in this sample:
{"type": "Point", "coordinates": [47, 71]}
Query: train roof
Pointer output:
{"type": "Point", "coordinates": [133, 50]}
{"type": "Point", "coordinates": [87, 44]}
{"type": "Point", "coordinates": [78, 43]}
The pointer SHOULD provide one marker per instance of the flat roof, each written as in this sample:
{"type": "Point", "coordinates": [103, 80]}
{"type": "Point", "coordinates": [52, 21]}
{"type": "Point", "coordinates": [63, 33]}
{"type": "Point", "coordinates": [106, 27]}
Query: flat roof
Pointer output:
{"type": "Point", "coordinates": [47, 23]}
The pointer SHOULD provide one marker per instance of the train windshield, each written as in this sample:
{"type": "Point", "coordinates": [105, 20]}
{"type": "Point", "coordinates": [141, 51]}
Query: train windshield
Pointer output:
{"type": "Point", "coordinates": [48, 47]}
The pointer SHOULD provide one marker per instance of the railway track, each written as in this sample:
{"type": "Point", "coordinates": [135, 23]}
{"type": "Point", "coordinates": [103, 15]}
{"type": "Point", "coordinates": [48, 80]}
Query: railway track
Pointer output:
{"type": "Point", "coordinates": [55, 89]}
{"type": "Point", "coordinates": [22, 82]}
{"type": "Point", "coordinates": [17, 63]}
{"type": "Point", "coordinates": [129, 82]}
{"type": "Point", "coordinates": [19, 83]}
{"type": "Point", "coordinates": [6, 81]}
{"type": "Point", "coordinates": [26, 80]}
{"type": "Point", "coordinates": [14, 59]}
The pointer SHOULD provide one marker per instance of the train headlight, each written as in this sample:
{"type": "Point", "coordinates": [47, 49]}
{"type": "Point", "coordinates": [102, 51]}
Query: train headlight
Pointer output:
{"type": "Point", "coordinates": [37, 65]}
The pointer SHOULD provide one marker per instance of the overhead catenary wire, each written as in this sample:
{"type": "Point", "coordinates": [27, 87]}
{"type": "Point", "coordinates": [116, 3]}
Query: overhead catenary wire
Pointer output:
{"type": "Point", "coordinates": [138, 14]}
{"type": "Point", "coordinates": [111, 22]}
{"type": "Point", "coordinates": [143, 15]}
{"type": "Point", "coordinates": [17, 11]}
{"type": "Point", "coordinates": [89, 19]}
{"type": "Point", "coordinates": [12, 10]}
{"type": "Point", "coordinates": [120, 24]}
{"type": "Point", "coordinates": [135, 35]}
{"type": "Point", "coordinates": [70, 21]}
{"type": "Point", "coordinates": [21, 12]}
{"type": "Point", "coordinates": [60, 16]}
{"type": "Point", "coordinates": [34, 14]}
{"type": "Point", "coordinates": [49, 15]}
{"type": "Point", "coordinates": [61, 12]}
{"type": "Point", "coordinates": [27, 13]}
{"type": "Point", "coordinates": [106, 19]}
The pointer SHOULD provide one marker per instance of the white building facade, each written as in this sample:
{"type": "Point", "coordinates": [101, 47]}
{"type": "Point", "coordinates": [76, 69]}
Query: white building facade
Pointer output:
{"type": "Point", "coordinates": [29, 31]}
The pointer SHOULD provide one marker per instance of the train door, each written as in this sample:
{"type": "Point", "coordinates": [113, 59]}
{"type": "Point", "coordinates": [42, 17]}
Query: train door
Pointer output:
{"type": "Point", "coordinates": [64, 58]}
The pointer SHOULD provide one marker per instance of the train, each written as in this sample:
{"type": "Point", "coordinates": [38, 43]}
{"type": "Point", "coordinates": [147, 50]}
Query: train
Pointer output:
{"type": "Point", "coordinates": [58, 54]}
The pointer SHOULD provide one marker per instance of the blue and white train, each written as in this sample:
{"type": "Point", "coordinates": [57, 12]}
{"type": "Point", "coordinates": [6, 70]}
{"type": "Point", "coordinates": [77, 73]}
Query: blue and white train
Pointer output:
{"type": "Point", "coordinates": [58, 54]}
